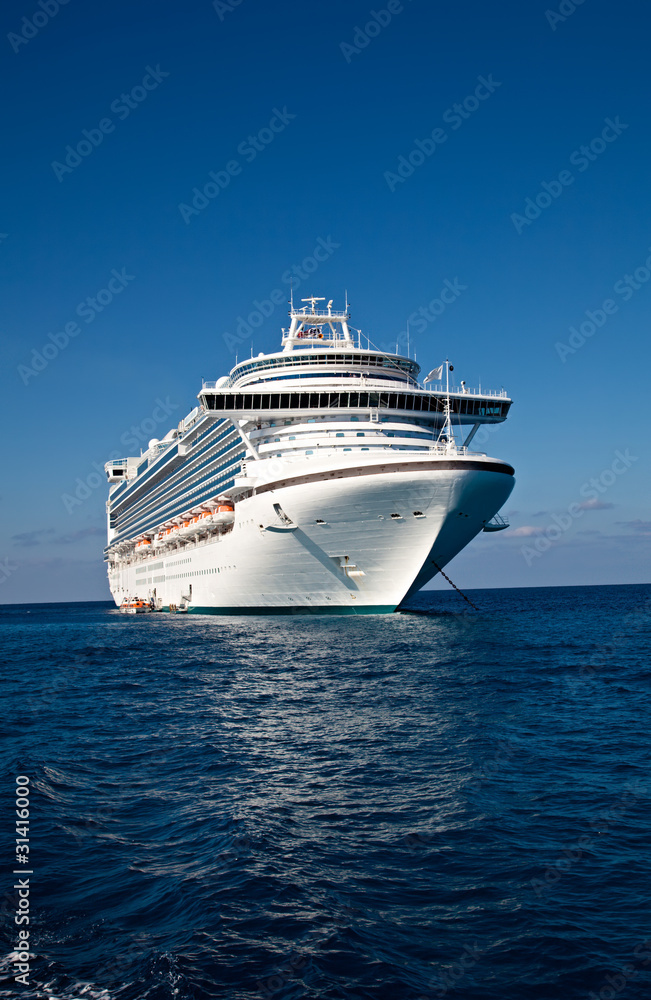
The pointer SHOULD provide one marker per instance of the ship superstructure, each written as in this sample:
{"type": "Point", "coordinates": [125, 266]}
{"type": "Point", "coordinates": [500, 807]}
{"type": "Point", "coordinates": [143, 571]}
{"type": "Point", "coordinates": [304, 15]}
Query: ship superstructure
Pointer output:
{"type": "Point", "coordinates": [321, 478]}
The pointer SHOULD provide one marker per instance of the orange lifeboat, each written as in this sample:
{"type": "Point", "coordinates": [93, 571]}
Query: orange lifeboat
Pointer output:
{"type": "Point", "coordinates": [224, 514]}
{"type": "Point", "coordinates": [163, 537]}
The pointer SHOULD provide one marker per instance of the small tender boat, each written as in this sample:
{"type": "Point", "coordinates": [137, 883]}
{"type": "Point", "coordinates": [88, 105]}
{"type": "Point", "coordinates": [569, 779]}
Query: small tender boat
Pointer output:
{"type": "Point", "coordinates": [135, 607]}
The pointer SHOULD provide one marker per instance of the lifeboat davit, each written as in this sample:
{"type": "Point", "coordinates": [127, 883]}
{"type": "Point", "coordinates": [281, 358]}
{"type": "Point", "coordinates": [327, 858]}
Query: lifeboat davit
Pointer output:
{"type": "Point", "coordinates": [188, 527]}
{"type": "Point", "coordinates": [163, 537]}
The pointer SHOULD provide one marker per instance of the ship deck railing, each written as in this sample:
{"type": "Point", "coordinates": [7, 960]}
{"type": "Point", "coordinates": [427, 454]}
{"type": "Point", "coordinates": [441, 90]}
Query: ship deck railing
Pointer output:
{"type": "Point", "coordinates": [460, 390]}
{"type": "Point", "coordinates": [455, 390]}
{"type": "Point", "coordinates": [321, 312]}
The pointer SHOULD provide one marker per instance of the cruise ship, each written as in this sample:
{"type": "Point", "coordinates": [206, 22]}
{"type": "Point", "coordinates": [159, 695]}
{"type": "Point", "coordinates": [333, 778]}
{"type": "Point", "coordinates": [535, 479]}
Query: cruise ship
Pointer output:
{"type": "Point", "coordinates": [320, 479]}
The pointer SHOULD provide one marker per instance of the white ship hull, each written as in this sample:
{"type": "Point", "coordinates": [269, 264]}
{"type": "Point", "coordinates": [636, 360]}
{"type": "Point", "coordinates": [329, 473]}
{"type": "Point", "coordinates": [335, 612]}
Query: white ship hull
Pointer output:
{"type": "Point", "coordinates": [360, 560]}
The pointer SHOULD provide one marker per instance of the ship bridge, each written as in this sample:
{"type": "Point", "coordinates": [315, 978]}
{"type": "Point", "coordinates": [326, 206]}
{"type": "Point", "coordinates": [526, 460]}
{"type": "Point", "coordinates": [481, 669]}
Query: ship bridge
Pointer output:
{"type": "Point", "coordinates": [320, 327]}
{"type": "Point", "coordinates": [466, 407]}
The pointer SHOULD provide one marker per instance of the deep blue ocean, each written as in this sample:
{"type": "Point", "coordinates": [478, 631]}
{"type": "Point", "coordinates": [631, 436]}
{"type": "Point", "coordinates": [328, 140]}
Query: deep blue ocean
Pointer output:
{"type": "Point", "coordinates": [449, 803]}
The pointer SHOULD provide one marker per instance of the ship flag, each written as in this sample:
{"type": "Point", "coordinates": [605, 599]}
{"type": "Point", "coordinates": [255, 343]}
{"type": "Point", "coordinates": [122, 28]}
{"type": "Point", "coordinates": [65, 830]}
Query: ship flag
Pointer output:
{"type": "Point", "coordinates": [435, 375]}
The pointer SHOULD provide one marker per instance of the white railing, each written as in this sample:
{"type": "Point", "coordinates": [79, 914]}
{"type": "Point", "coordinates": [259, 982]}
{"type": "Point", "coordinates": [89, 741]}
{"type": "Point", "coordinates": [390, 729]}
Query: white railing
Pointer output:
{"type": "Point", "coordinates": [457, 390]}
{"type": "Point", "coordinates": [364, 381]}
{"type": "Point", "coordinates": [319, 312]}
{"type": "Point", "coordinates": [452, 449]}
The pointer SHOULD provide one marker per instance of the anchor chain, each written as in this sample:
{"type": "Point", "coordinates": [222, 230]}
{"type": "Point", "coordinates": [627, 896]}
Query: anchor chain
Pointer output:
{"type": "Point", "coordinates": [455, 587]}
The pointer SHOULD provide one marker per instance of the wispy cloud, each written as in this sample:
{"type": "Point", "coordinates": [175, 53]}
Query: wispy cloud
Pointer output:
{"type": "Point", "coordinates": [637, 527]}
{"type": "Point", "coordinates": [595, 505]}
{"type": "Point", "coordinates": [48, 536]}
{"type": "Point", "coordinates": [93, 531]}
{"type": "Point", "coordinates": [526, 531]}
{"type": "Point", "coordinates": [27, 538]}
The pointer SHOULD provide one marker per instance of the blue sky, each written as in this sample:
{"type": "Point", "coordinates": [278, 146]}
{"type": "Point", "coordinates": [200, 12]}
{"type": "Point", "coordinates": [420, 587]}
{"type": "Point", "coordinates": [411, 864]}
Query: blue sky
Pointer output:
{"type": "Point", "coordinates": [419, 144]}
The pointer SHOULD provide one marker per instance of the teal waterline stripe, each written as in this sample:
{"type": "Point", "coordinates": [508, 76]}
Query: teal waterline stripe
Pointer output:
{"type": "Point", "coordinates": [372, 609]}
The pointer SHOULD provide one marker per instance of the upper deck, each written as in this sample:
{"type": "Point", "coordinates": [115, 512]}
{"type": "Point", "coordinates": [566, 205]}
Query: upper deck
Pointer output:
{"type": "Point", "coordinates": [320, 345]}
{"type": "Point", "coordinates": [317, 364]}
{"type": "Point", "coordinates": [322, 366]}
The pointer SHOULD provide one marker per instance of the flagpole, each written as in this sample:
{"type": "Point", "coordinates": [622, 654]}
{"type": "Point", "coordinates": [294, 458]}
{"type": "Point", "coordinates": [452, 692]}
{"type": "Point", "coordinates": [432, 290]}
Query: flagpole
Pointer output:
{"type": "Point", "coordinates": [448, 427]}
